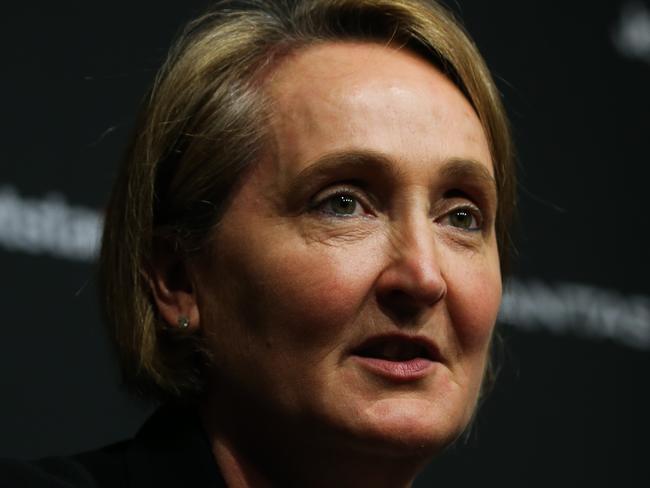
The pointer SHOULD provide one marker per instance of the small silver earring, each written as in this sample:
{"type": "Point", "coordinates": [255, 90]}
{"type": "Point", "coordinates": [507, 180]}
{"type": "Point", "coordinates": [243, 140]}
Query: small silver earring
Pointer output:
{"type": "Point", "coordinates": [183, 322]}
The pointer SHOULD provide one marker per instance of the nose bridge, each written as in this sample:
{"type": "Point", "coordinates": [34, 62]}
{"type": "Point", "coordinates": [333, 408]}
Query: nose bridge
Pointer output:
{"type": "Point", "coordinates": [415, 267]}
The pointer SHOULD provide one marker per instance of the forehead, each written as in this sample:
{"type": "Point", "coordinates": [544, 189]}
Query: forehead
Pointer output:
{"type": "Point", "coordinates": [338, 97]}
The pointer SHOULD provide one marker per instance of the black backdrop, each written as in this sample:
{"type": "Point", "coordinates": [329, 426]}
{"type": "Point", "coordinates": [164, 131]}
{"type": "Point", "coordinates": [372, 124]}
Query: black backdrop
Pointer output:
{"type": "Point", "coordinates": [571, 407]}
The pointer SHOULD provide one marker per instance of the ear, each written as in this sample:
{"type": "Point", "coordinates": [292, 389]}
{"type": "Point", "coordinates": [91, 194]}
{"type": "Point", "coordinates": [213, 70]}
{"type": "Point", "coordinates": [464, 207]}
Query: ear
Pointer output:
{"type": "Point", "coordinates": [173, 288]}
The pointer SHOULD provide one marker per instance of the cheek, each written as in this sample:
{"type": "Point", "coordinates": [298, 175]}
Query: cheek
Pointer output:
{"type": "Point", "coordinates": [474, 297]}
{"type": "Point", "coordinates": [305, 295]}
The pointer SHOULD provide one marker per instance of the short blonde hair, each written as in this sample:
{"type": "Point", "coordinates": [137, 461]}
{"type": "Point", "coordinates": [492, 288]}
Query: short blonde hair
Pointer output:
{"type": "Point", "coordinates": [204, 122]}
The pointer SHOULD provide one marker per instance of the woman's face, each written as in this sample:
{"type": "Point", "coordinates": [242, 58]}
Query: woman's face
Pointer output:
{"type": "Point", "coordinates": [351, 288]}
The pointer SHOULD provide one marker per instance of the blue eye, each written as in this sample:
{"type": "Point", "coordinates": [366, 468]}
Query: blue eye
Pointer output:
{"type": "Point", "coordinates": [340, 204]}
{"type": "Point", "coordinates": [463, 218]}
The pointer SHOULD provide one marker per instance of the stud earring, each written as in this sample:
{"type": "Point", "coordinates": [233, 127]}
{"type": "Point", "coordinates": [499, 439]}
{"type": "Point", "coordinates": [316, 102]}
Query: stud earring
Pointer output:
{"type": "Point", "coordinates": [183, 322]}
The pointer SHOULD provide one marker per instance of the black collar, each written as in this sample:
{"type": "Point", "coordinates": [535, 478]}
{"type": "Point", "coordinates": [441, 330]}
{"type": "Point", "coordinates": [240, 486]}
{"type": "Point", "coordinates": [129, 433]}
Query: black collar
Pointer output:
{"type": "Point", "coordinates": [172, 449]}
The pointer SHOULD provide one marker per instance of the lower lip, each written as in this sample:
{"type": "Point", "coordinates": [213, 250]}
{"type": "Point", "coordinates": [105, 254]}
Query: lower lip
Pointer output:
{"type": "Point", "coordinates": [410, 370]}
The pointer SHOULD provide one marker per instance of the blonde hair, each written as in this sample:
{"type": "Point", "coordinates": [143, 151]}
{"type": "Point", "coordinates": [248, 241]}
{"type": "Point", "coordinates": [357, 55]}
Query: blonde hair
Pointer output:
{"type": "Point", "coordinates": [203, 123]}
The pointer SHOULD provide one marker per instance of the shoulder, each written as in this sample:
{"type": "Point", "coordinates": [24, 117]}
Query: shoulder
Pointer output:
{"type": "Point", "coordinates": [170, 450]}
{"type": "Point", "coordinates": [102, 468]}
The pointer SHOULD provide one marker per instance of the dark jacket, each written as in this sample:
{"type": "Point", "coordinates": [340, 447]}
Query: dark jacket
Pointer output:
{"type": "Point", "coordinates": [170, 450]}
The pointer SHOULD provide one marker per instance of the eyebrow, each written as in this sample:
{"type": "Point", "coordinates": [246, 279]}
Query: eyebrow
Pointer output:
{"type": "Point", "coordinates": [452, 169]}
{"type": "Point", "coordinates": [352, 162]}
{"type": "Point", "coordinates": [469, 171]}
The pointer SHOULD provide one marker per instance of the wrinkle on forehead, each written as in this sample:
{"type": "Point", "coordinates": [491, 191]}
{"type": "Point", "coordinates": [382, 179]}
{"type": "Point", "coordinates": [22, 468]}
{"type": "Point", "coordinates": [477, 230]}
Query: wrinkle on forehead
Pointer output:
{"type": "Point", "coordinates": [348, 96]}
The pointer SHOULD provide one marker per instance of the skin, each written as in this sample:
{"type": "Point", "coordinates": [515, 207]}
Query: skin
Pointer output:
{"type": "Point", "coordinates": [295, 277]}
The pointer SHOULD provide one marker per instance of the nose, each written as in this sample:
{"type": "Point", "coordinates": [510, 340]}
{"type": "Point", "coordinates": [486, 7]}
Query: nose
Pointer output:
{"type": "Point", "coordinates": [411, 282]}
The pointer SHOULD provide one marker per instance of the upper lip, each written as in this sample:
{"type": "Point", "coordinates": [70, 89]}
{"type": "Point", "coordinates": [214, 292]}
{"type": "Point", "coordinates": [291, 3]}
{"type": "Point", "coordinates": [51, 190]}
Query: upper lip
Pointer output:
{"type": "Point", "coordinates": [427, 346]}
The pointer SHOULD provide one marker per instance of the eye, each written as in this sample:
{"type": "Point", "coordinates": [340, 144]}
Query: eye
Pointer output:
{"type": "Point", "coordinates": [464, 218]}
{"type": "Point", "coordinates": [342, 201]}
{"type": "Point", "coordinates": [340, 204]}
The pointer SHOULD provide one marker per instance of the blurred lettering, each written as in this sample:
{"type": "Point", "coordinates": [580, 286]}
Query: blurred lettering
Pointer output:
{"type": "Point", "coordinates": [48, 225]}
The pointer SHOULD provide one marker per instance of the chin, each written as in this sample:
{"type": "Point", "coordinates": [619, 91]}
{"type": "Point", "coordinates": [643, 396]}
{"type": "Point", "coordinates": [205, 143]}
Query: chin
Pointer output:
{"type": "Point", "coordinates": [410, 427]}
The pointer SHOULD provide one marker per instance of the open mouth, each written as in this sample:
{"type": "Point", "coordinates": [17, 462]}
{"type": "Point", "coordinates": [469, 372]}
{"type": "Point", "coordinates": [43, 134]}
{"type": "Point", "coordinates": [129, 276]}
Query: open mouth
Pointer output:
{"type": "Point", "coordinates": [397, 348]}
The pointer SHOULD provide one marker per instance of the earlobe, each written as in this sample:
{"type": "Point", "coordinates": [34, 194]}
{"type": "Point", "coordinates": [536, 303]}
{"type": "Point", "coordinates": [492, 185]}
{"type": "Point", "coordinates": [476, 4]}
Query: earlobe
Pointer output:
{"type": "Point", "coordinates": [173, 290]}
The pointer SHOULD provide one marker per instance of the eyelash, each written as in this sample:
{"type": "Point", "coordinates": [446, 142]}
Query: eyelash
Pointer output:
{"type": "Point", "coordinates": [471, 210]}
{"type": "Point", "coordinates": [321, 202]}
{"type": "Point", "coordinates": [341, 192]}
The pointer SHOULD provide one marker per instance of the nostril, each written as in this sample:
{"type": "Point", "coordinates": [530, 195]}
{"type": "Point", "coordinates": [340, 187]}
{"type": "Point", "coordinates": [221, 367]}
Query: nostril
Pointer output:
{"type": "Point", "coordinates": [400, 306]}
{"type": "Point", "coordinates": [411, 282]}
